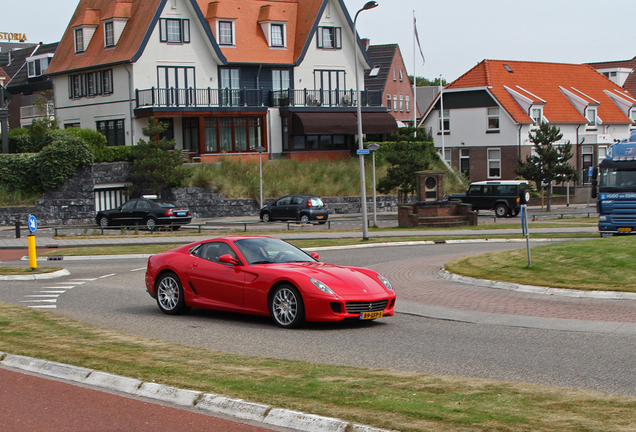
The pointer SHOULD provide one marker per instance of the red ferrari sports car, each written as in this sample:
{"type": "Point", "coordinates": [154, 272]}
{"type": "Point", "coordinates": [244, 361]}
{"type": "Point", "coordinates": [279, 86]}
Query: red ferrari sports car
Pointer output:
{"type": "Point", "coordinates": [265, 276]}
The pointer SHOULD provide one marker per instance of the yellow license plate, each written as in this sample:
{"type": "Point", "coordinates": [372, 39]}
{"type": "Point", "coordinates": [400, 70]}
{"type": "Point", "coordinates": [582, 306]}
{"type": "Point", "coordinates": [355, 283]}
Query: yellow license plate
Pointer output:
{"type": "Point", "coordinates": [319, 217]}
{"type": "Point", "coordinates": [624, 230]}
{"type": "Point", "coordinates": [371, 315]}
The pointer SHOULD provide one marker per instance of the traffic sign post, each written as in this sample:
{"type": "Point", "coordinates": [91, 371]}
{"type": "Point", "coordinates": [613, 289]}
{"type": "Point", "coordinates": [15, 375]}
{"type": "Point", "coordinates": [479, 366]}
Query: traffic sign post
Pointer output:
{"type": "Point", "coordinates": [524, 229]}
{"type": "Point", "coordinates": [32, 222]}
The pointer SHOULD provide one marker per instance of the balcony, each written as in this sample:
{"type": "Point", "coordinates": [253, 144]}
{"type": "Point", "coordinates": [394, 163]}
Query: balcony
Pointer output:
{"type": "Point", "coordinates": [191, 97]}
{"type": "Point", "coordinates": [30, 112]}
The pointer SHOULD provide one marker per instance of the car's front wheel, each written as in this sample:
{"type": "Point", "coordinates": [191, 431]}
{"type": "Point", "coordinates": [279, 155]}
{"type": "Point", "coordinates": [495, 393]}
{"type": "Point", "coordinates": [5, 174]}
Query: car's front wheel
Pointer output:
{"type": "Point", "coordinates": [266, 217]}
{"type": "Point", "coordinates": [170, 294]}
{"type": "Point", "coordinates": [501, 210]}
{"type": "Point", "coordinates": [103, 221]}
{"type": "Point", "coordinates": [286, 307]}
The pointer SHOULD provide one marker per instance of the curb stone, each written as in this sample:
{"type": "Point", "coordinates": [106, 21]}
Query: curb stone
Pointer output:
{"type": "Point", "coordinates": [209, 402]}
{"type": "Point", "coordinates": [510, 286]}
{"type": "Point", "coordinates": [52, 275]}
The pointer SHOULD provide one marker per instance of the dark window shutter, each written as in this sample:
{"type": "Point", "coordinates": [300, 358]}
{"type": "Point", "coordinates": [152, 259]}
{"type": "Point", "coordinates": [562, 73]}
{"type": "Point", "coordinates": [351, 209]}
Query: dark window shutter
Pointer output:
{"type": "Point", "coordinates": [338, 38]}
{"type": "Point", "coordinates": [185, 28]}
{"type": "Point", "coordinates": [319, 37]}
{"type": "Point", "coordinates": [163, 30]}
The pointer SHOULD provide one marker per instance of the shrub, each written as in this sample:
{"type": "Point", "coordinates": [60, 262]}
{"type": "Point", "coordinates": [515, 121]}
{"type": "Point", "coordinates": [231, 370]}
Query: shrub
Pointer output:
{"type": "Point", "coordinates": [61, 159]}
{"type": "Point", "coordinates": [18, 172]}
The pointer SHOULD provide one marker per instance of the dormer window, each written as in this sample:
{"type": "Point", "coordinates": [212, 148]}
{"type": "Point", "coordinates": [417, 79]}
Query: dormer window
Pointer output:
{"type": "Point", "coordinates": [174, 31]}
{"type": "Point", "coordinates": [109, 34]}
{"type": "Point", "coordinates": [537, 116]}
{"type": "Point", "coordinates": [277, 35]}
{"type": "Point", "coordinates": [590, 115]}
{"type": "Point", "coordinates": [79, 40]}
{"type": "Point", "coordinates": [37, 66]}
{"type": "Point", "coordinates": [226, 33]}
{"type": "Point", "coordinates": [632, 115]}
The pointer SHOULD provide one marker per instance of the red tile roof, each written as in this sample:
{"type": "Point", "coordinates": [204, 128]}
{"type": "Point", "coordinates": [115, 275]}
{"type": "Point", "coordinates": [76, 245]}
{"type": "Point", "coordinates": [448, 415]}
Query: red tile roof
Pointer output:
{"type": "Point", "coordinates": [549, 82]}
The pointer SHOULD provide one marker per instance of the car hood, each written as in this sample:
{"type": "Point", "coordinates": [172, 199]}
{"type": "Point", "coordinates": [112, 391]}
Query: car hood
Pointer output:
{"type": "Point", "coordinates": [343, 280]}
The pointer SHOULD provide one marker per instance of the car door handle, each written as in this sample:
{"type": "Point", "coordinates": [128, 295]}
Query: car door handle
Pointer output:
{"type": "Point", "coordinates": [195, 265]}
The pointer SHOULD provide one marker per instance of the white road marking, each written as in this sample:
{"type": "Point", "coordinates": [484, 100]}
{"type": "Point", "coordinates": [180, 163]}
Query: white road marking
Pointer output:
{"type": "Point", "coordinates": [87, 280]}
{"type": "Point", "coordinates": [44, 295]}
{"type": "Point", "coordinates": [139, 269]}
{"type": "Point", "coordinates": [38, 301]}
{"type": "Point", "coordinates": [60, 287]}
{"type": "Point", "coordinates": [52, 292]}
{"type": "Point", "coordinates": [108, 275]}
{"type": "Point", "coordinates": [43, 307]}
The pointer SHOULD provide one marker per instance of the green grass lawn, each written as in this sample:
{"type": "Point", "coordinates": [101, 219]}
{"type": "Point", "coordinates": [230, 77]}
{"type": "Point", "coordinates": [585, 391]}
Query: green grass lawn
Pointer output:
{"type": "Point", "coordinates": [382, 398]}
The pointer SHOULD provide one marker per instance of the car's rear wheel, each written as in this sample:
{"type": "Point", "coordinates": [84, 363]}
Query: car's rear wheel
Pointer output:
{"type": "Point", "coordinates": [304, 219]}
{"type": "Point", "coordinates": [151, 223]}
{"type": "Point", "coordinates": [103, 221]}
{"type": "Point", "coordinates": [501, 210]}
{"type": "Point", "coordinates": [170, 294]}
{"type": "Point", "coordinates": [266, 217]}
{"type": "Point", "coordinates": [286, 307]}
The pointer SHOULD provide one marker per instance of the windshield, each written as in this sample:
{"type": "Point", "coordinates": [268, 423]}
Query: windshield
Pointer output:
{"type": "Point", "coordinates": [269, 250]}
{"type": "Point", "coordinates": [617, 180]}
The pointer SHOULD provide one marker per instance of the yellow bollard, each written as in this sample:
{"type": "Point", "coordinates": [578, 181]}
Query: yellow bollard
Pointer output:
{"type": "Point", "coordinates": [32, 256]}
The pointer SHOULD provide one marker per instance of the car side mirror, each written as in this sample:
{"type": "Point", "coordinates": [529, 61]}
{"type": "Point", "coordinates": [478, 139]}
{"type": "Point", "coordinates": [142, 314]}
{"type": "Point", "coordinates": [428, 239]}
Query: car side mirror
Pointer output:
{"type": "Point", "coordinates": [228, 259]}
{"type": "Point", "coordinates": [315, 255]}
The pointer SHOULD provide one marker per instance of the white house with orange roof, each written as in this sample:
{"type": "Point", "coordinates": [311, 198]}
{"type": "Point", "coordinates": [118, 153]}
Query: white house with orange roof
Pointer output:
{"type": "Point", "coordinates": [488, 113]}
{"type": "Point", "coordinates": [227, 76]}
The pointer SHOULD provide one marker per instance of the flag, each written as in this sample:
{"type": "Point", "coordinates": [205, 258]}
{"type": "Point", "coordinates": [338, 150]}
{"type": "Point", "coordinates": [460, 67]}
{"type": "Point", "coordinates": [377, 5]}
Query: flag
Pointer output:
{"type": "Point", "coordinates": [417, 38]}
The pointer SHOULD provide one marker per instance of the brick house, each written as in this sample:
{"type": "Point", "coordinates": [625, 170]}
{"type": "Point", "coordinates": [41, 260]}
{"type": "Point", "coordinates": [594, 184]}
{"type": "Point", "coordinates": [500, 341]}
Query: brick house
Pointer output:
{"type": "Point", "coordinates": [489, 112]}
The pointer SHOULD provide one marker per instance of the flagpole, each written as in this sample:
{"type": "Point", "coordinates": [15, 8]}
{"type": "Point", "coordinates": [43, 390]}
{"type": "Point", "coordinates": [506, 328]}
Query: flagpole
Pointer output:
{"type": "Point", "coordinates": [414, 82]}
{"type": "Point", "coordinates": [441, 113]}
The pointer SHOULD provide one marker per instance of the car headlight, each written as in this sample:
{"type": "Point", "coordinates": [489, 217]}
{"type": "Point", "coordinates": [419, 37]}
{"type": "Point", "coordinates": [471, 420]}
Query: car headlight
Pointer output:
{"type": "Point", "coordinates": [321, 286]}
{"type": "Point", "coordinates": [602, 218]}
{"type": "Point", "coordinates": [386, 282]}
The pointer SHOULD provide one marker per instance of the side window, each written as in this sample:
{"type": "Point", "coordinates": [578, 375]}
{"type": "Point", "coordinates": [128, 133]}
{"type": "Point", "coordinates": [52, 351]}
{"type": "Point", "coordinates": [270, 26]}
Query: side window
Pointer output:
{"type": "Point", "coordinates": [129, 205]}
{"type": "Point", "coordinates": [143, 205]}
{"type": "Point", "coordinates": [213, 250]}
{"type": "Point", "coordinates": [488, 190]}
{"type": "Point", "coordinates": [297, 200]}
{"type": "Point", "coordinates": [284, 201]}
{"type": "Point", "coordinates": [474, 190]}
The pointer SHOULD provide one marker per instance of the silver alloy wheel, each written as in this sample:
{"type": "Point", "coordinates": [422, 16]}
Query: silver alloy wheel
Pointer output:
{"type": "Point", "coordinates": [501, 210]}
{"type": "Point", "coordinates": [285, 307]}
{"type": "Point", "coordinates": [265, 217]}
{"type": "Point", "coordinates": [103, 221]}
{"type": "Point", "coordinates": [304, 219]}
{"type": "Point", "coordinates": [151, 223]}
{"type": "Point", "coordinates": [168, 293]}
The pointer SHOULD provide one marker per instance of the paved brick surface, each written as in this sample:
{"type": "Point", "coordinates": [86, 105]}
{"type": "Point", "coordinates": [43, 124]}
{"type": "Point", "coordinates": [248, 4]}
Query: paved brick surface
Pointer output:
{"type": "Point", "coordinates": [417, 280]}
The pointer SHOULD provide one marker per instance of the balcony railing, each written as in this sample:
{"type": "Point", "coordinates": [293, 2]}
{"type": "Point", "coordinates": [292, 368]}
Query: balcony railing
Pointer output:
{"type": "Point", "coordinates": [191, 97]}
{"type": "Point", "coordinates": [30, 112]}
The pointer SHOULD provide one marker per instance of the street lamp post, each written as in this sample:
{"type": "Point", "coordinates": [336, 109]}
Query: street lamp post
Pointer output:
{"type": "Point", "coordinates": [373, 147]}
{"type": "Point", "coordinates": [260, 150]}
{"type": "Point", "coordinates": [363, 192]}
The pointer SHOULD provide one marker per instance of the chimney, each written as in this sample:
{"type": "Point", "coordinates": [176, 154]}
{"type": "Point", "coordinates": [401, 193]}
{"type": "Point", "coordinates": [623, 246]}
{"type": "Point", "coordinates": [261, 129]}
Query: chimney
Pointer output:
{"type": "Point", "coordinates": [365, 43]}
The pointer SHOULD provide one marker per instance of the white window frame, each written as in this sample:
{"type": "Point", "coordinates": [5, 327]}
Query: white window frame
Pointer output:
{"type": "Point", "coordinates": [335, 38]}
{"type": "Point", "coordinates": [493, 158]}
{"type": "Point", "coordinates": [283, 39]}
{"type": "Point", "coordinates": [492, 114]}
{"type": "Point", "coordinates": [395, 103]}
{"type": "Point", "coordinates": [37, 66]}
{"type": "Point", "coordinates": [446, 119]}
{"type": "Point", "coordinates": [536, 120]}
{"type": "Point", "coordinates": [394, 75]}
{"type": "Point", "coordinates": [78, 34]}
{"type": "Point", "coordinates": [591, 115]}
{"type": "Point", "coordinates": [407, 102]}
{"type": "Point", "coordinates": [389, 105]}
{"type": "Point", "coordinates": [401, 103]}
{"type": "Point", "coordinates": [222, 37]}
{"type": "Point", "coordinates": [448, 155]}
{"type": "Point", "coordinates": [401, 76]}
{"type": "Point", "coordinates": [109, 34]}
{"type": "Point", "coordinates": [602, 153]}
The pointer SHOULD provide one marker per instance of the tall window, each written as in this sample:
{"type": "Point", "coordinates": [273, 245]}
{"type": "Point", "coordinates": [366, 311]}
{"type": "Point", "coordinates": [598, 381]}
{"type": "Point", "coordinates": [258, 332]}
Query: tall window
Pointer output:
{"type": "Point", "coordinates": [537, 116]}
{"type": "Point", "coordinates": [494, 163]}
{"type": "Point", "coordinates": [401, 103]}
{"type": "Point", "coordinates": [590, 114]}
{"type": "Point", "coordinates": [277, 36]}
{"type": "Point", "coordinates": [395, 103]}
{"type": "Point", "coordinates": [109, 34]}
{"type": "Point", "coordinates": [280, 79]}
{"type": "Point", "coordinates": [173, 30]}
{"type": "Point", "coordinates": [329, 37]}
{"type": "Point", "coordinates": [493, 118]}
{"type": "Point", "coordinates": [90, 84]}
{"type": "Point", "coordinates": [79, 40]}
{"type": "Point", "coordinates": [408, 104]}
{"type": "Point", "coordinates": [107, 81]}
{"type": "Point", "coordinates": [464, 162]}
{"type": "Point", "coordinates": [230, 86]}
{"type": "Point", "coordinates": [226, 36]}
{"type": "Point", "coordinates": [401, 77]}
{"type": "Point", "coordinates": [190, 133]}
{"type": "Point", "coordinates": [394, 75]}
{"type": "Point", "coordinates": [444, 120]}
{"type": "Point", "coordinates": [232, 134]}
{"type": "Point", "coordinates": [114, 131]}
{"type": "Point", "coordinates": [587, 157]}
{"type": "Point", "coordinates": [388, 102]}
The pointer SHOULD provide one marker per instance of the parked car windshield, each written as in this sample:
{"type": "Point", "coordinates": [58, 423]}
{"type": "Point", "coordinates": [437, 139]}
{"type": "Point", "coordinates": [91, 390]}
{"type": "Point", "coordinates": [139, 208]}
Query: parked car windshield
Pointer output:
{"type": "Point", "coordinates": [268, 250]}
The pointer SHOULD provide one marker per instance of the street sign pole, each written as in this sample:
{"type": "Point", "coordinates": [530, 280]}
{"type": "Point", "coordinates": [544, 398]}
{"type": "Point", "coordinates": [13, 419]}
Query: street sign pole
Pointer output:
{"type": "Point", "coordinates": [33, 225]}
{"type": "Point", "coordinates": [524, 230]}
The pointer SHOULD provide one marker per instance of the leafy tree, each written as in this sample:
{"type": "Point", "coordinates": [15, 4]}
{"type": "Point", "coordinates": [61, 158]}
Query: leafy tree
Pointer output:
{"type": "Point", "coordinates": [424, 82]}
{"type": "Point", "coordinates": [406, 158]}
{"type": "Point", "coordinates": [156, 165]}
{"type": "Point", "coordinates": [551, 162]}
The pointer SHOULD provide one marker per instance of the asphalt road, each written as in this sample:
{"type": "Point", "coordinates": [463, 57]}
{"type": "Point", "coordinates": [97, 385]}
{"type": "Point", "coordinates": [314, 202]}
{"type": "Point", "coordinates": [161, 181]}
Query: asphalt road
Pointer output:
{"type": "Point", "coordinates": [112, 294]}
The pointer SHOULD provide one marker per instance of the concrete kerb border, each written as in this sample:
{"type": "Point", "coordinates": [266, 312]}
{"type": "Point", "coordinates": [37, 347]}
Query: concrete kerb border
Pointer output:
{"type": "Point", "coordinates": [52, 275]}
{"type": "Point", "coordinates": [509, 286]}
{"type": "Point", "coordinates": [213, 403]}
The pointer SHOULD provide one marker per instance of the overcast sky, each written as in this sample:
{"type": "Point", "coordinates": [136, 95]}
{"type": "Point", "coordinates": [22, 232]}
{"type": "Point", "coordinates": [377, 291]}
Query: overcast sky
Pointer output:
{"type": "Point", "coordinates": [455, 34]}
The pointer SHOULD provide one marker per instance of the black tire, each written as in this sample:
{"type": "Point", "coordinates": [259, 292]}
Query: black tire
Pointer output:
{"type": "Point", "coordinates": [501, 210]}
{"type": "Point", "coordinates": [103, 221]}
{"type": "Point", "coordinates": [151, 223]}
{"type": "Point", "coordinates": [170, 294]}
{"type": "Point", "coordinates": [286, 307]}
{"type": "Point", "coordinates": [266, 217]}
{"type": "Point", "coordinates": [524, 198]}
{"type": "Point", "coordinates": [515, 212]}
{"type": "Point", "coordinates": [322, 222]}
{"type": "Point", "coordinates": [304, 219]}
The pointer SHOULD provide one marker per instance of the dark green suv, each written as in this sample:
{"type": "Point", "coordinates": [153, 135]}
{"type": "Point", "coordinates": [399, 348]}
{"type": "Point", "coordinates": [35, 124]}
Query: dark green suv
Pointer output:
{"type": "Point", "coordinates": [504, 196]}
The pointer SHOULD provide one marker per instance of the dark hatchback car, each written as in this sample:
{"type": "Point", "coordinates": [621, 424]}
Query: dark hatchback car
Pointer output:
{"type": "Point", "coordinates": [504, 197]}
{"type": "Point", "coordinates": [150, 212]}
{"type": "Point", "coordinates": [301, 208]}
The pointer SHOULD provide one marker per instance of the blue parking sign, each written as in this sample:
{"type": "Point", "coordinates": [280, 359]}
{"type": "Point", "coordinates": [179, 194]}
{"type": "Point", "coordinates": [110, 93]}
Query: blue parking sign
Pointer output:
{"type": "Point", "coordinates": [590, 171]}
{"type": "Point", "coordinates": [33, 223]}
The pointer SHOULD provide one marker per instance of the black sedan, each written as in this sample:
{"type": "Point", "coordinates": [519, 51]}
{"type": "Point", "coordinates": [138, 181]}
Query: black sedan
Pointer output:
{"type": "Point", "coordinates": [301, 208]}
{"type": "Point", "coordinates": [145, 211]}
